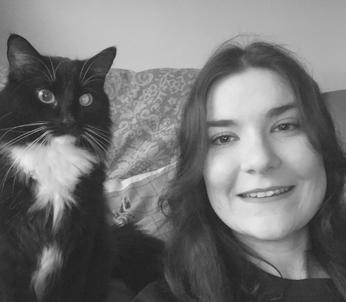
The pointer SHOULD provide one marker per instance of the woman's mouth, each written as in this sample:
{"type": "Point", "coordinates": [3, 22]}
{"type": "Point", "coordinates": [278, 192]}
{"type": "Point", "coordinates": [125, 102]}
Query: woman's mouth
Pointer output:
{"type": "Point", "coordinates": [265, 193]}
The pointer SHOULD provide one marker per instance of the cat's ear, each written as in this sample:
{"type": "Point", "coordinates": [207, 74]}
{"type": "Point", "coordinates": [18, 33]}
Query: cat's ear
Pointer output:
{"type": "Point", "coordinates": [20, 53]}
{"type": "Point", "coordinates": [102, 62]}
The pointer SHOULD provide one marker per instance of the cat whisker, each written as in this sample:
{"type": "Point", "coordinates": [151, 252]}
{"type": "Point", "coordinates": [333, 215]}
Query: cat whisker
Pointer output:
{"type": "Point", "coordinates": [101, 145]}
{"type": "Point", "coordinates": [56, 68]}
{"type": "Point", "coordinates": [47, 76]}
{"type": "Point", "coordinates": [44, 135]}
{"type": "Point", "coordinates": [14, 181]}
{"type": "Point", "coordinates": [104, 144]}
{"type": "Point", "coordinates": [5, 115]}
{"type": "Point", "coordinates": [6, 175]}
{"type": "Point", "coordinates": [95, 132]}
{"type": "Point", "coordinates": [53, 70]}
{"type": "Point", "coordinates": [81, 70]}
{"type": "Point", "coordinates": [91, 144]}
{"type": "Point", "coordinates": [24, 125]}
{"type": "Point", "coordinates": [14, 129]}
{"type": "Point", "coordinates": [50, 76]}
{"type": "Point", "coordinates": [46, 140]}
{"type": "Point", "coordinates": [93, 78]}
{"type": "Point", "coordinates": [98, 129]}
{"type": "Point", "coordinates": [20, 138]}
{"type": "Point", "coordinates": [87, 70]}
{"type": "Point", "coordinates": [96, 145]}
{"type": "Point", "coordinates": [16, 138]}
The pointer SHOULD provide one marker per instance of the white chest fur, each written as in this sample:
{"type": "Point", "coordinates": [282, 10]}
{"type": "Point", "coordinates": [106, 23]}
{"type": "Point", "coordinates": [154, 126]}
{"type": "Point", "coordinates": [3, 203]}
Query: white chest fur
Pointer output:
{"type": "Point", "coordinates": [57, 168]}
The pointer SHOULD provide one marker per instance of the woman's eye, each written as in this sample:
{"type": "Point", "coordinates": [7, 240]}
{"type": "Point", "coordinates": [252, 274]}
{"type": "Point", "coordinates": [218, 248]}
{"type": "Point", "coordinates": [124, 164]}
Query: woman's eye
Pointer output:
{"type": "Point", "coordinates": [46, 96]}
{"type": "Point", "coordinates": [223, 139]}
{"type": "Point", "coordinates": [86, 99]}
{"type": "Point", "coordinates": [289, 126]}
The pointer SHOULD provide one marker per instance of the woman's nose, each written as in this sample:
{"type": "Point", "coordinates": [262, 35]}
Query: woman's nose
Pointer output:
{"type": "Point", "coordinates": [259, 156]}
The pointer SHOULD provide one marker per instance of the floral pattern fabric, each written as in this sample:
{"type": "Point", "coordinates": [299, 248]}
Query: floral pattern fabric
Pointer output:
{"type": "Point", "coordinates": [146, 110]}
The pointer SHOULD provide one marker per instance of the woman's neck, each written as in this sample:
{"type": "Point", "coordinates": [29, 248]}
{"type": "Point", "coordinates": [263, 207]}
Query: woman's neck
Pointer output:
{"type": "Point", "coordinates": [289, 256]}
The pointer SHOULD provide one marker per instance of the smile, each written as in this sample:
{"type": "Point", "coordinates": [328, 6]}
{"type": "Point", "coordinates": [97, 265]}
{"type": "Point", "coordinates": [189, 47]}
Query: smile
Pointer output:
{"type": "Point", "coordinates": [267, 193]}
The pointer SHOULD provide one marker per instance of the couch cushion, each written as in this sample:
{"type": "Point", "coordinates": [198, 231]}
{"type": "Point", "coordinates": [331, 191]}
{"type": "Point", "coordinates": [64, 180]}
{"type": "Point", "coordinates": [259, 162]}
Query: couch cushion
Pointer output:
{"type": "Point", "coordinates": [146, 109]}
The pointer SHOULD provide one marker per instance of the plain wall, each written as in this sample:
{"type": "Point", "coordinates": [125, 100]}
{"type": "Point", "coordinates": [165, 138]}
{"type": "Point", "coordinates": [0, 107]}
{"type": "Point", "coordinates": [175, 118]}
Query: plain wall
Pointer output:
{"type": "Point", "coordinates": [181, 33]}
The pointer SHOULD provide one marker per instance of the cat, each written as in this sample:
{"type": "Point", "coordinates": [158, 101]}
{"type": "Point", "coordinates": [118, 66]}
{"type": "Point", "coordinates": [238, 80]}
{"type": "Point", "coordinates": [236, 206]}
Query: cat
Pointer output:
{"type": "Point", "coordinates": [55, 129]}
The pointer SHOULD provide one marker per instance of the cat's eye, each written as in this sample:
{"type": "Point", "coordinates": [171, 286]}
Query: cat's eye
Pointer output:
{"type": "Point", "coordinates": [46, 96]}
{"type": "Point", "coordinates": [86, 99]}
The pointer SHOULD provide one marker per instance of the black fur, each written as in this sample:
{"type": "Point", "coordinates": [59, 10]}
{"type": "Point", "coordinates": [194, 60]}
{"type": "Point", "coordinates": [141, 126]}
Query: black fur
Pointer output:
{"type": "Point", "coordinates": [137, 257]}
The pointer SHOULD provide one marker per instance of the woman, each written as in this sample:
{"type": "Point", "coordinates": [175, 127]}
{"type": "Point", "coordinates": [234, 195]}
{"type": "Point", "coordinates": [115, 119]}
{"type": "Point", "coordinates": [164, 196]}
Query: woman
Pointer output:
{"type": "Point", "coordinates": [256, 205]}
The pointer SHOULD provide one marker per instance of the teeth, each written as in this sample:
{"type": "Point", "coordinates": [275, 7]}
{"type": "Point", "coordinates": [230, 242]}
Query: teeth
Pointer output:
{"type": "Point", "coordinates": [269, 193]}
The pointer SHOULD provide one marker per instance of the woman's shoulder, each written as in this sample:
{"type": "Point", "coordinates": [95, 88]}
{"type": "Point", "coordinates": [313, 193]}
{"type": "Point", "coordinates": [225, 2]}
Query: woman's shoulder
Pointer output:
{"type": "Point", "coordinates": [157, 291]}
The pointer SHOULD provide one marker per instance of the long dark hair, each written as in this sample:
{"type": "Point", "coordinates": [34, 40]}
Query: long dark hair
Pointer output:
{"type": "Point", "coordinates": [196, 267]}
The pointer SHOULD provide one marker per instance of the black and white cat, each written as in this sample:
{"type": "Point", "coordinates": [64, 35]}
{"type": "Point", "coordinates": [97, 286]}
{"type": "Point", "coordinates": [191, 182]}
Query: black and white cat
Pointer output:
{"type": "Point", "coordinates": [55, 243]}
{"type": "Point", "coordinates": [54, 134]}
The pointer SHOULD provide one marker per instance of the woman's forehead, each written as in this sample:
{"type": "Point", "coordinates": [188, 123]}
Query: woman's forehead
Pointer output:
{"type": "Point", "coordinates": [252, 92]}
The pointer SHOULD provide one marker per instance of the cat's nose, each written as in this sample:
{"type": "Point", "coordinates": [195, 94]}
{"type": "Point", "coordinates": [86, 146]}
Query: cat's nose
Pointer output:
{"type": "Point", "coordinates": [69, 126]}
{"type": "Point", "coordinates": [68, 121]}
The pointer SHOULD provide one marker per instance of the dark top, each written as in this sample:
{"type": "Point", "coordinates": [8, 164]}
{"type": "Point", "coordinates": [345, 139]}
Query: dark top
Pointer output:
{"type": "Point", "coordinates": [277, 289]}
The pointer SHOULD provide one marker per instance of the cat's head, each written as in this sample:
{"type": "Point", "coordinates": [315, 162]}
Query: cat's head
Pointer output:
{"type": "Point", "coordinates": [48, 96]}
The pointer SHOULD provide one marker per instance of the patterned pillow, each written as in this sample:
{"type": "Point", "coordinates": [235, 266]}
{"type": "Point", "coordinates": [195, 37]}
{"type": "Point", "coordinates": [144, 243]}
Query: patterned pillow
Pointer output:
{"type": "Point", "coordinates": [146, 110]}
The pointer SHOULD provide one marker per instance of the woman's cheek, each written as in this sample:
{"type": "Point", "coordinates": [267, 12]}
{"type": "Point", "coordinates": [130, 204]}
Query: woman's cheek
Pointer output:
{"type": "Point", "coordinates": [220, 171]}
{"type": "Point", "coordinates": [301, 158]}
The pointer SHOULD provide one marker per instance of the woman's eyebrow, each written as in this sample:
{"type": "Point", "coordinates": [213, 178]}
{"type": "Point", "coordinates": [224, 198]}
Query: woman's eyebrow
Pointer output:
{"type": "Point", "coordinates": [221, 123]}
{"type": "Point", "coordinates": [273, 112]}
{"type": "Point", "coordinates": [281, 109]}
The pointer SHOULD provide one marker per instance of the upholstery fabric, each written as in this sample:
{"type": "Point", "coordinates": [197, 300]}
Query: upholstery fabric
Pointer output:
{"type": "Point", "coordinates": [137, 199]}
{"type": "Point", "coordinates": [146, 108]}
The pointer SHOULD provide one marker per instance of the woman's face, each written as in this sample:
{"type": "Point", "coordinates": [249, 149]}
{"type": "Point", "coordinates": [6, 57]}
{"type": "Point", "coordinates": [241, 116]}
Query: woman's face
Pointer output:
{"type": "Point", "coordinates": [263, 178]}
